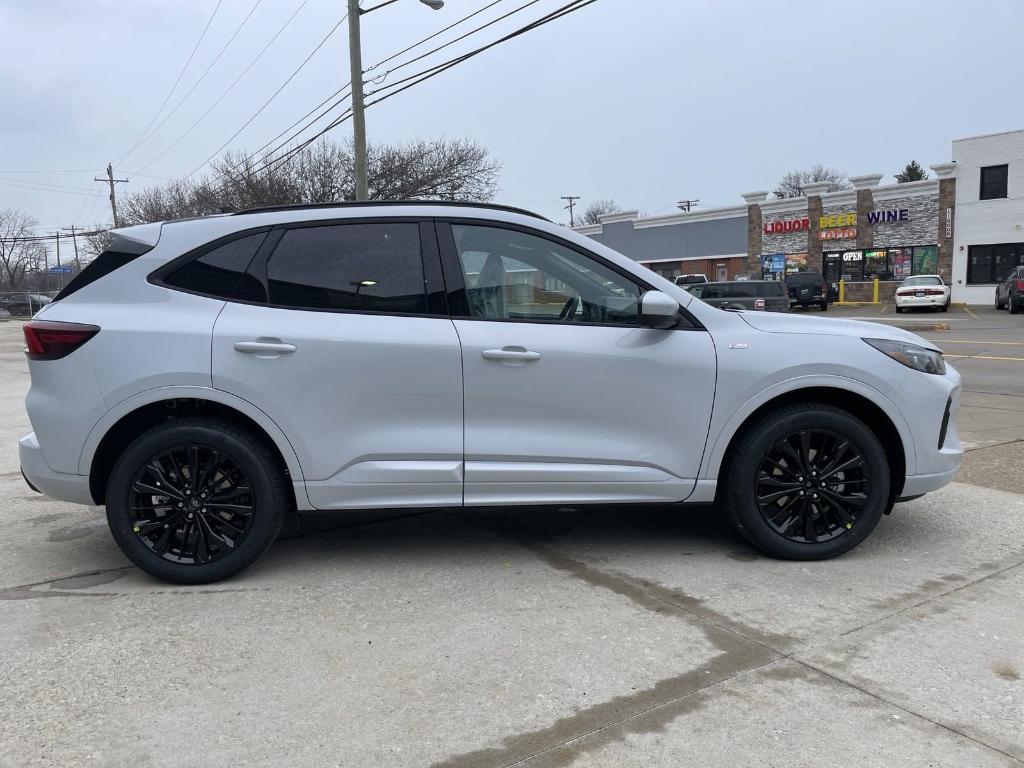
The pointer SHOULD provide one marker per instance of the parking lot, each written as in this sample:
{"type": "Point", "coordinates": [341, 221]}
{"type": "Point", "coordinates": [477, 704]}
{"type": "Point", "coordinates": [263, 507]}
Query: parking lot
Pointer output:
{"type": "Point", "coordinates": [618, 636]}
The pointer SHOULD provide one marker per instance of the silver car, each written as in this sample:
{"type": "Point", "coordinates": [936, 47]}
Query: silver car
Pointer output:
{"type": "Point", "coordinates": [204, 378]}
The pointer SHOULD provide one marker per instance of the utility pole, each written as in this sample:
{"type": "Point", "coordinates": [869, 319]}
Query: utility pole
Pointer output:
{"type": "Point", "coordinates": [687, 205]}
{"type": "Point", "coordinates": [113, 198]}
{"type": "Point", "coordinates": [74, 241]}
{"type": "Point", "coordinates": [570, 207]}
{"type": "Point", "coordinates": [355, 60]}
{"type": "Point", "coordinates": [60, 276]}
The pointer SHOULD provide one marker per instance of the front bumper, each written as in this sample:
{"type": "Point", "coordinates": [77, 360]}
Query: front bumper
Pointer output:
{"type": "Point", "coordinates": [57, 485]}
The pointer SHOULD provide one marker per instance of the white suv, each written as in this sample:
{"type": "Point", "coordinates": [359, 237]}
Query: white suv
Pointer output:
{"type": "Point", "coordinates": [203, 378]}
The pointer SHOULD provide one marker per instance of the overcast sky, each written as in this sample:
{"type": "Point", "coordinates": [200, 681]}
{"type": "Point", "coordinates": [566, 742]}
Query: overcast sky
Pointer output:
{"type": "Point", "coordinates": [643, 101]}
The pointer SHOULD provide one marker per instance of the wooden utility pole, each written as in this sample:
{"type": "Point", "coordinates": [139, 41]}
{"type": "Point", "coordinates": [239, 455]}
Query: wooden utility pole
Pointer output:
{"type": "Point", "coordinates": [60, 276]}
{"type": "Point", "coordinates": [74, 241]}
{"type": "Point", "coordinates": [113, 198]}
{"type": "Point", "coordinates": [570, 207]}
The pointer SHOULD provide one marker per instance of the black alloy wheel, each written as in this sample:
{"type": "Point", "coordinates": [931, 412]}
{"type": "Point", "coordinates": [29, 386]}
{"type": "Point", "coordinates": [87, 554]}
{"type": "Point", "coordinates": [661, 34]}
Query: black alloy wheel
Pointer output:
{"type": "Point", "coordinates": [191, 504]}
{"type": "Point", "coordinates": [806, 481]}
{"type": "Point", "coordinates": [195, 499]}
{"type": "Point", "coordinates": [811, 486]}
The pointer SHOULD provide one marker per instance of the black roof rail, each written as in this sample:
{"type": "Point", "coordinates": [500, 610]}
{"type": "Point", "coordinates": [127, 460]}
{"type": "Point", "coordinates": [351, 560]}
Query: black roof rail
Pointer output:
{"type": "Point", "coordinates": [376, 203]}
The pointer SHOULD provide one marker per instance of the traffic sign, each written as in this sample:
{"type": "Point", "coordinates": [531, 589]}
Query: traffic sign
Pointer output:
{"type": "Point", "coordinates": [61, 270]}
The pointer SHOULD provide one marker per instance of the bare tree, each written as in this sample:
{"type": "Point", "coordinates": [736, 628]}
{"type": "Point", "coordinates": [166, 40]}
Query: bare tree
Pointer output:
{"type": "Point", "coordinates": [445, 169]}
{"type": "Point", "coordinates": [593, 212]}
{"type": "Point", "coordinates": [791, 183]}
{"type": "Point", "coordinates": [20, 252]}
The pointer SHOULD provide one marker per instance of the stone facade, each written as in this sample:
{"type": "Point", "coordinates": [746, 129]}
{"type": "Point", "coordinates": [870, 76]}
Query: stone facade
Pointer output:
{"type": "Point", "coordinates": [754, 234]}
{"type": "Point", "coordinates": [947, 201]}
{"type": "Point", "coordinates": [785, 242]}
{"type": "Point", "coordinates": [920, 229]}
{"type": "Point", "coordinates": [865, 204]}
{"type": "Point", "coordinates": [845, 244]}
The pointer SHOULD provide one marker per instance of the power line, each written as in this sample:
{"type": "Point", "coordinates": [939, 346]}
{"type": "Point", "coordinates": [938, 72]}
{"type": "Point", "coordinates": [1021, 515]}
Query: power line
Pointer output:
{"type": "Point", "coordinates": [430, 72]}
{"type": "Point", "coordinates": [173, 87]}
{"type": "Point", "coordinates": [217, 101]}
{"type": "Point", "coordinates": [201, 77]}
{"type": "Point", "coordinates": [452, 42]}
{"type": "Point", "coordinates": [338, 102]}
{"type": "Point", "coordinates": [571, 207]}
{"type": "Point", "coordinates": [272, 97]}
{"type": "Point", "coordinates": [22, 185]}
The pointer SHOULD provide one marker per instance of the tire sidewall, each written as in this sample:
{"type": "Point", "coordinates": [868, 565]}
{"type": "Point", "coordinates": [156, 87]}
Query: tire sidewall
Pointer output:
{"type": "Point", "coordinates": [266, 515]}
{"type": "Point", "coordinates": [745, 513]}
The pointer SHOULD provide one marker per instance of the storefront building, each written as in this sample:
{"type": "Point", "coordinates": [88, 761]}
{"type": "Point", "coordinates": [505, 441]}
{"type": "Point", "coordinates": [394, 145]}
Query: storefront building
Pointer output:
{"type": "Point", "coordinates": [965, 224]}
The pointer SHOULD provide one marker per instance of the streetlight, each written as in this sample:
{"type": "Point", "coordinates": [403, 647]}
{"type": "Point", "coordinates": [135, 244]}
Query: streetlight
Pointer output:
{"type": "Point", "coordinates": [355, 56]}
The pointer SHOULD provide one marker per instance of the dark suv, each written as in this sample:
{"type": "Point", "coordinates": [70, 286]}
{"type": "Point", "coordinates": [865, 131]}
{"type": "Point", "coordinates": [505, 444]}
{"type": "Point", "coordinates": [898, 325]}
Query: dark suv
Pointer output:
{"type": "Point", "coordinates": [1010, 292]}
{"type": "Point", "coordinates": [806, 288]}
{"type": "Point", "coordinates": [766, 295]}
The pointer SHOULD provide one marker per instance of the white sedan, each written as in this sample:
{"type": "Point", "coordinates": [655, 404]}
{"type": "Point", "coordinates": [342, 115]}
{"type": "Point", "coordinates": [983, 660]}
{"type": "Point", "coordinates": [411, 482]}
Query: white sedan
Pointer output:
{"type": "Point", "coordinates": [927, 291]}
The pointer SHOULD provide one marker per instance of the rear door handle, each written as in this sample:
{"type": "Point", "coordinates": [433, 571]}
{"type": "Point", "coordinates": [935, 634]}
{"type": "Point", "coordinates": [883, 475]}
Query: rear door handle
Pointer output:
{"type": "Point", "coordinates": [267, 347]}
{"type": "Point", "coordinates": [510, 353]}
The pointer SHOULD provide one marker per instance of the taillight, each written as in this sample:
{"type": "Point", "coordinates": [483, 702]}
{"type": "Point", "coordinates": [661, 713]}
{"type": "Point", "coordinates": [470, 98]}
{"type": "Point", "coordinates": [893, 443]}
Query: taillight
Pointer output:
{"type": "Point", "coordinates": [758, 303]}
{"type": "Point", "coordinates": [1020, 285]}
{"type": "Point", "coordinates": [51, 340]}
{"type": "Point", "coordinates": [934, 291]}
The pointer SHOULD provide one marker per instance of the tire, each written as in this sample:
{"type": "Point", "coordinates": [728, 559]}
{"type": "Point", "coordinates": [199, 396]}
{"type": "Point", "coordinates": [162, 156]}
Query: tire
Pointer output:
{"type": "Point", "coordinates": [944, 307]}
{"type": "Point", "coordinates": [832, 535]}
{"type": "Point", "coordinates": [899, 309]}
{"type": "Point", "coordinates": [823, 306]}
{"type": "Point", "coordinates": [999, 304]}
{"type": "Point", "coordinates": [201, 544]}
{"type": "Point", "coordinates": [1015, 304]}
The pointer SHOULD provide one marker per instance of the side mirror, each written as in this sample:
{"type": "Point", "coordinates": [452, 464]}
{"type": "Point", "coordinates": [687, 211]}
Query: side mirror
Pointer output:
{"type": "Point", "coordinates": [658, 310]}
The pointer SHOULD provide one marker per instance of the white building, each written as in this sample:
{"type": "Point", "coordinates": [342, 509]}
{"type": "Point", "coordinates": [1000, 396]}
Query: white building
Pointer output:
{"type": "Point", "coordinates": [989, 224]}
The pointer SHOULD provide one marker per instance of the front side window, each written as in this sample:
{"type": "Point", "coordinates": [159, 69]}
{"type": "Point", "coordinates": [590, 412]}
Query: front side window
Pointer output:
{"type": "Point", "coordinates": [349, 267]}
{"type": "Point", "coordinates": [218, 271]}
{"type": "Point", "coordinates": [993, 182]}
{"type": "Point", "coordinates": [512, 275]}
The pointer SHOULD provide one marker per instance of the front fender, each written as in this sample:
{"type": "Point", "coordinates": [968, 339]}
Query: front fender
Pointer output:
{"type": "Point", "coordinates": [126, 406]}
{"type": "Point", "coordinates": [718, 443]}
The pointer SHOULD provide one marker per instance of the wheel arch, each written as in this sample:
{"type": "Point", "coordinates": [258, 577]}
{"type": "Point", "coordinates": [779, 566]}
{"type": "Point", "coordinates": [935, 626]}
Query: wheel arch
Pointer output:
{"type": "Point", "coordinates": [864, 402]}
{"type": "Point", "coordinates": [132, 417]}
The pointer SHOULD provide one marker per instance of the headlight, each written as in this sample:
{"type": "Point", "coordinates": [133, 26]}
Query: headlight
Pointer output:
{"type": "Point", "coordinates": [911, 355]}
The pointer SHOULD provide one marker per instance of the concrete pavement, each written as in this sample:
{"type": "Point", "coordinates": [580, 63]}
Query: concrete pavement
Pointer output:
{"type": "Point", "coordinates": [613, 636]}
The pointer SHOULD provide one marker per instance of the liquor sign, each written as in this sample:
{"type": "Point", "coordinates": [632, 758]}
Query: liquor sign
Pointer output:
{"type": "Point", "coordinates": [838, 233]}
{"type": "Point", "coordinates": [949, 222]}
{"type": "Point", "coordinates": [787, 225]}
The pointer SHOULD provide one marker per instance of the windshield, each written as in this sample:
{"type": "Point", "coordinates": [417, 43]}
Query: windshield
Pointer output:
{"type": "Point", "coordinates": [923, 280]}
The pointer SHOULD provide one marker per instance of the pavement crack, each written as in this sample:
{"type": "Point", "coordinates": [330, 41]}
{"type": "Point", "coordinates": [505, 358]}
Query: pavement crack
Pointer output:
{"type": "Point", "coordinates": [878, 697]}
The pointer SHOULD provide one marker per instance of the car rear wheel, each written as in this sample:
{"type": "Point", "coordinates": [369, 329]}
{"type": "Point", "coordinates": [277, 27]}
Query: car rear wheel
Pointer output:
{"type": "Point", "coordinates": [1015, 303]}
{"type": "Point", "coordinates": [196, 500]}
{"type": "Point", "coordinates": [807, 482]}
{"type": "Point", "coordinates": [899, 309]}
{"type": "Point", "coordinates": [824, 306]}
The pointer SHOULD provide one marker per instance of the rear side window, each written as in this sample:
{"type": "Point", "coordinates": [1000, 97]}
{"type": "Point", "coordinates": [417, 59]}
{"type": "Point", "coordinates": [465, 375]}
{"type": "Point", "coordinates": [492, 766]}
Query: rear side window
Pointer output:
{"type": "Point", "coordinates": [349, 267]}
{"type": "Point", "coordinates": [804, 278]}
{"type": "Point", "coordinates": [121, 251]}
{"type": "Point", "coordinates": [218, 271]}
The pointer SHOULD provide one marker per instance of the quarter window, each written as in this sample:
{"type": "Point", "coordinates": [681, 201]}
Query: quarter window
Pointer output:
{"type": "Point", "coordinates": [219, 271]}
{"type": "Point", "coordinates": [512, 275]}
{"type": "Point", "coordinates": [349, 267]}
{"type": "Point", "coordinates": [993, 182]}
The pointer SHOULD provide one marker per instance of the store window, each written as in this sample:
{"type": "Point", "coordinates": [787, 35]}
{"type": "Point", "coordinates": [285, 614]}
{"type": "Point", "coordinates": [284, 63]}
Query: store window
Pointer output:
{"type": "Point", "coordinates": [852, 270]}
{"type": "Point", "coordinates": [993, 263]}
{"type": "Point", "coordinates": [926, 260]}
{"type": "Point", "coordinates": [796, 262]}
{"type": "Point", "coordinates": [993, 182]}
{"type": "Point", "coordinates": [876, 265]}
{"type": "Point", "coordinates": [901, 262]}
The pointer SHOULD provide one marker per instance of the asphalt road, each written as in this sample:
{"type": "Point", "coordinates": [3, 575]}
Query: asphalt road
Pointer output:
{"type": "Point", "coordinates": [617, 636]}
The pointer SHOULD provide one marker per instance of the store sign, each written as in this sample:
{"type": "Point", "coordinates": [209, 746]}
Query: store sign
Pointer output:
{"type": "Point", "coordinates": [949, 223]}
{"type": "Point", "coordinates": [787, 225]}
{"type": "Point", "coordinates": [853, 256]}
{"type": "Point", "coordinates": [894, 216]}
{"type": "Point", "coordinates": [834, 220]}
{"type": "Point", "coordinates": [838, 233]}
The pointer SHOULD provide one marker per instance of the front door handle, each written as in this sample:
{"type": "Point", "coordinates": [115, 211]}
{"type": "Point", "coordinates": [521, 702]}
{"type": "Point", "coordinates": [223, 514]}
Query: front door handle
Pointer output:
{"type": "Point", "coordinates": [510, 353]}
{"type": "Point", "coordinates": [265, 347]}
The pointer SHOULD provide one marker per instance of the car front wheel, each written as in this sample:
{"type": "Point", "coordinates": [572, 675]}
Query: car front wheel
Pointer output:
{"type": "Point", "coordinates": [807, 482]}
{"type": "Point", "coordinates": [196, 500]}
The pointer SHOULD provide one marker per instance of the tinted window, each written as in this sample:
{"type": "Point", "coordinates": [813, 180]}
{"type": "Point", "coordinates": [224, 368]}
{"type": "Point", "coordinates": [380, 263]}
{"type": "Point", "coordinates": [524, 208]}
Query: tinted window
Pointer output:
{"type": "Point", "coordinates": [218, 272]}
{"type": "Point", "coordinates": [512, 275]}
{"type": "Point", "coordinates": [355, 267]}
{"type": "Point", "coordinates": [804, 278]}
{"type": "Point", "coordinates": [993, 182]}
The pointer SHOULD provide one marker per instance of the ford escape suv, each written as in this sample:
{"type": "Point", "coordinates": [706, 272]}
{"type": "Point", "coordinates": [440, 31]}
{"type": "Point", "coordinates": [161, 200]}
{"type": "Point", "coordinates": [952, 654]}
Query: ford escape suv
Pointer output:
{"type": "Point", "coordinates": [202, 378]}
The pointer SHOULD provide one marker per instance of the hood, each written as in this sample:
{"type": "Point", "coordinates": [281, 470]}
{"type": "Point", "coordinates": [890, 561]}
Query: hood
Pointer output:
{"type": "Point", "coordinates": [780, 322]}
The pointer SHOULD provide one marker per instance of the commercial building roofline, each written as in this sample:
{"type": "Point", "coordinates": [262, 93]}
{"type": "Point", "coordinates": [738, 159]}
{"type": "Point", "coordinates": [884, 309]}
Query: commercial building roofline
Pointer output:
{"type": "Point", "coordinates": [989, 135]}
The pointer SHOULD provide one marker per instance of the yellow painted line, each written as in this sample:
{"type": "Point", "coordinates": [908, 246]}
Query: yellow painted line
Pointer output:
{"type": "Point", "coordinates": [1000, 343]}
{"type": "Point", "coordinates": [884, 307]}
{"type": "Point", "coordinates": [984, 357]}
{"type": "Point", "coordinates": [965, 309]}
